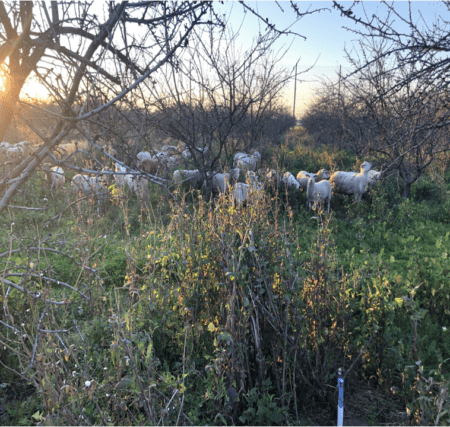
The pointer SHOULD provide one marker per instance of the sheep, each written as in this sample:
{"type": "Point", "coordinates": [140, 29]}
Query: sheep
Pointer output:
{"type": "Point", "coordinates": [239, 193]}
{"type": "Point", "coordinates": [150, 166]}
{"type": "Point", "coordinates": [119, 178]}
{"type": "Point", "coordinates": [56, 178]}
{"type": "Point", "coordinates": [105, 179]}
{"type": "Point", "coordinates": [269, 176]}
{"type": "Point", "coordinates": [290, 181]}
{"type": "Point", "coordinates": [352, 182]}
{"type": "Point", "coordinates": [194, 177]}
{"type": "Point", "coordinates": [247, 161]}
{"type": "Point", "coordinates": [246, 193]}
{"type": "Point", "coordinates": [138, 185]}
{"type": "Point", "coordinates": [170, 150]}
{"type": "Point", "coordinates": [203, 150]}
{"type": "Point", "coordinates": [237, 156]}
{"type": "Point", "coordinates": [317, 193]}
{"type": "Point", "coordinates": [15, 153]}
{"type": "Point", "coordinates": [4, 148]}
{"type": "Point", "coordinates": [234, 176]}
{"type": "Point", "coordinates": [374, 177]}
{"type": "Point", "coordinates": [143, 155]}
{"type": "Point", "coordinates": [220, 183]}
{"type": "Point", "coordinates": [303, 176]}
{"type": "Point", "coordinates": [26, 146]}
{"type": "Point", "coordinates": [257, 156]}
{"type": "Point", "coordinates": [186, 154]}
{"type": "Point", "coordinates": [251, 178]}
{"type": "Point", "coordinates": [89, 186]}
{"type": "Point", "coordinates": [163, 158]}
{"type": "Point", "coordinates": [173, 161]}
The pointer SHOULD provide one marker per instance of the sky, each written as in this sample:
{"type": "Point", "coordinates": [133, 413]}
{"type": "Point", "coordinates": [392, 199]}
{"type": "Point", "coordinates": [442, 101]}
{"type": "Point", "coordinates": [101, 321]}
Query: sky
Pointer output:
{"type": "Point", "coordinates": [324, 32]}
{"type": "Point", "coordinates": [326, 37]}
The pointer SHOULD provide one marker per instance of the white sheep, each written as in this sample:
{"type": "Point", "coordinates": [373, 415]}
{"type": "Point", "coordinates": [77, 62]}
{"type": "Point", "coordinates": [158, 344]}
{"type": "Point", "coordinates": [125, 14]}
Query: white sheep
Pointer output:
{"type": "Point", "coordinates": [194, 177]}
{"type": "Point", "coordinates": [203, 150]}
{"type": "Point", "coordinates": [234, 175]}
{"type": "Point", "coordinates": [56, 178]}
{"type": "Point", "coordinates": [251, 178]}
{"type": "Point", "coordinates": [173, 161]}
{"type": "Point", "coordinates": [186, 154]}
{"type": "Point", "coordinates": [119, 178]}
{"type": "Point", "coordinates": [303, 176]}
{"type": "Point", "coordinates": [4, 148]}
{"type": "Point", "coordinates": [270, 176]}
{"type": "Point", "coordinates": [374, 177]}
{"type": "Point", "coordinates": [239, 193]}
{"type": "Point", "coordinates": [143, 155]}
{"type": "Point", "coordinates": [237, 156]}
{"type": "Point", "coordinates": [138, 185]}
{"type": "Point", "coordinates": [161, 156]}
{"type": "Point", "coordinates": [89, 186]}
{"type": "Point", "coordinates": [249, 193]}
{"type": "Point", "coordinates": [170, 150]}
{"type": "Point", "coordinates": [352, 182]}
{"type": "Point", "coordinates": [221, 183]}
{"type": "Point", "coordinates": [27, 147]}
{"type": "Point", "coordinates": [15, 153]}
{"type": "Point", "coordinates": [318, 192]}
{"type": "Point", "coordinates": [289, 180]}
{"type": "Point", "coordinates": [246, 161]}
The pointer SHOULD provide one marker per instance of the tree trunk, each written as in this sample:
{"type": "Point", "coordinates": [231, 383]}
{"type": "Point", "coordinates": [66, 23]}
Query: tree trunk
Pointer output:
{"type": "Point", "coordinates": [8, 100]}
{"type": "Point", "coordinates": [406, 189]}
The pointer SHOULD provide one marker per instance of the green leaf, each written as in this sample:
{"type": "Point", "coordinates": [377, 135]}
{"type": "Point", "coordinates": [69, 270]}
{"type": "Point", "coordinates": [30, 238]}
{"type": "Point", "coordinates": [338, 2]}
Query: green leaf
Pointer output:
{"type": "Point", "coordinates": [399, 301]}
{"type": "Point", "coordinates": [225, 336]}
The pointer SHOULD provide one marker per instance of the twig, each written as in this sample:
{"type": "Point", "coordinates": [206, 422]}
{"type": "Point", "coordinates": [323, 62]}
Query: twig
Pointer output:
{"type": "Point", "coordinates": [167, 406]}
{"type": "Point", "coordinates": [60, 340]}
{"type": "Point", "coordinates": [8, 326]}
{"type": "Point", "coordinates": [27, 208]}
{"type": "Point", "coordinates": [36, 339]}
{"type": "Point", "coordinates": [76, 327]}
{"type": "Point", "coordinates": [36, 295]}
{"type": "Point", "coordinates": [50, 280]}
{"type": "Point", "coordinates": [359, 356]}
{"type": "Point", "coordinates": [184, 366]}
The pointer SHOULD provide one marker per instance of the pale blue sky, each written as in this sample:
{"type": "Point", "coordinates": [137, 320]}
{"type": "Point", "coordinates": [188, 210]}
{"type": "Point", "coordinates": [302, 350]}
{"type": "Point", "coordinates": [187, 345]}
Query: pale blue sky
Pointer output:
{"type": "Point", "coordinates": [325, 36]}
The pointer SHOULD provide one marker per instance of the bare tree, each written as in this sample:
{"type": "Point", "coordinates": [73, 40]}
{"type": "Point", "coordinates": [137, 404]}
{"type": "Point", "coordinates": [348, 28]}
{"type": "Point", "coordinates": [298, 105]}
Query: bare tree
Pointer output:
{"type": "Point", "coordinates": [401, 80]}
{"type": "Point", "coordinates": [217, 100]}
{"type": "Point", "coordinates": [78, 58]}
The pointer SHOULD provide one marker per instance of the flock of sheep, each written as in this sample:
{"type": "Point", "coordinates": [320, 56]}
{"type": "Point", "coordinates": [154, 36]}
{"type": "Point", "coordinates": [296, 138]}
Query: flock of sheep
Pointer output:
{"type": "Point", "coordinates": [318, 186]}
{"type": "Point", "coordinates": [13, 153]}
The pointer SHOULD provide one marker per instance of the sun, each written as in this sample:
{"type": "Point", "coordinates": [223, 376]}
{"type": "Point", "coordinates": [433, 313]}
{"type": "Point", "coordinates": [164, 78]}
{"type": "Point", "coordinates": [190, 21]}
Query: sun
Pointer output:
{"type": "Point", "coordinates": [33, 89]}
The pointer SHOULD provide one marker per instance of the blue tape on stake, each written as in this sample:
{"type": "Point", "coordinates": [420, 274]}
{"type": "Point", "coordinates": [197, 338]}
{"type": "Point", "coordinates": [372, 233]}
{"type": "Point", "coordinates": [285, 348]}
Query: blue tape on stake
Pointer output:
{"type": "Point", "coordinates": [340, 384]}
